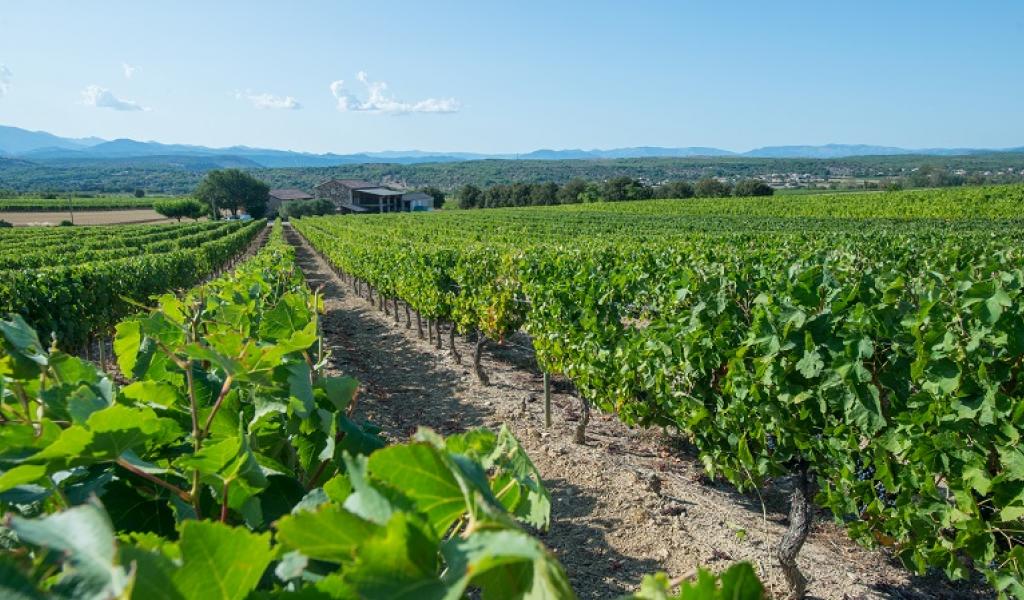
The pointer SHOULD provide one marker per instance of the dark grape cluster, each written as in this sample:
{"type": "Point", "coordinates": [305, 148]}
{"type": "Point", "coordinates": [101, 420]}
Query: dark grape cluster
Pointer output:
{"type": "Point", "coordinates": [888, 500]}
{"type": "Point", "coordinates": [769, 442]}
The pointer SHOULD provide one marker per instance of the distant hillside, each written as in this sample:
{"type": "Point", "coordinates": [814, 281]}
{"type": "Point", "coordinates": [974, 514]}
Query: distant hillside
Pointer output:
{"type": "Point", "coordinates": [846, 150]}
{"type": "Point", "coordinates": [46, 148]}
{"type": "Point", "coordinates": [638, 152]}
{"type": "Point", "coordinates": [14, 141]}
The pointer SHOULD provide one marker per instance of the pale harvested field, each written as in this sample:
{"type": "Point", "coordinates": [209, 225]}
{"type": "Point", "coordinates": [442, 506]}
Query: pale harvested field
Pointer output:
{"type": "Point", "coordinates": [95, 217]}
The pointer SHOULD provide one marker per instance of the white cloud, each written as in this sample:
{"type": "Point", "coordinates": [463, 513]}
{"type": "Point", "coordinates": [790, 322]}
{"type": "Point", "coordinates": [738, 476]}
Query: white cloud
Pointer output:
{"type": "Point", "coordinates": [129, 70]}
{"type": "Point", "coordinates": [99, 97]}
{"type": "Point", "coordinates": [5, 80]}
{"type": "Point", "coordinates": [270, 101]}
{"type": "Point", "coordinates": [379, 100]}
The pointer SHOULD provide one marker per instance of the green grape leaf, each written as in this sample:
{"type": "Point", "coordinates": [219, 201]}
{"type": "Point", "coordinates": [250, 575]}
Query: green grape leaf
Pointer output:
{"type": "Point", "coordinates": [219, 561]}
{"type": "Point", "coordinates": [329, 533]}
{"type": "Point", "coordinates": [507, 564]}
{"type": "Point", "coordinates": [419, 471]}
{"type": "Point", "coordinates": [400, 564]}
{"type": "Point", "coordinates": [85, 537]}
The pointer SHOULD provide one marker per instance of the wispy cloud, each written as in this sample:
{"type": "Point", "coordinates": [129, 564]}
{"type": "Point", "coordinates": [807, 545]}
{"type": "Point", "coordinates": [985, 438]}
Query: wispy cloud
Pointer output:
{"type": "Point", "coordinates": [269, 101]}
{"type": "Point", "coordinates": [99, 97]}
{"type": "Point", "coordinates": [380, 100]}
{"type": "Point", "coordinates": [129, 70]}
{"type": "Point", "coordinates": [5, 80]}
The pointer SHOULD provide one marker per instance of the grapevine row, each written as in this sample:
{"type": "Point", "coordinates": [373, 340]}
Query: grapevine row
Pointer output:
{"type": "Point", "coordinates": [75, 301]}
{"type": "Point", "coordinates": [230, 466]}
{"type": "Point", "coordinates": [878, 363]}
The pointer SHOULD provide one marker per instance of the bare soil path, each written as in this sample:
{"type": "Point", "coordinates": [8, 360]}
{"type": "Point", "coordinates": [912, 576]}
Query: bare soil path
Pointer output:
{"type": "Point", "coordinates": [629, 502]}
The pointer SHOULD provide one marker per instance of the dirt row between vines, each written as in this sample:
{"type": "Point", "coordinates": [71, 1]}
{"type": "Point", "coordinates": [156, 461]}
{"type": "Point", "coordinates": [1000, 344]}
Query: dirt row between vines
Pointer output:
{"type": "Point", "coordinates": [629, 502]}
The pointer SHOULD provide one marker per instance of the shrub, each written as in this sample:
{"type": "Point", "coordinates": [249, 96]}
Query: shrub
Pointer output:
{"type": "Point", "coordinates": [753, 187]}
{"type": "Point", "coordinates": [181, 207]}
{"type": "Point", "coordinates": [709, 187]}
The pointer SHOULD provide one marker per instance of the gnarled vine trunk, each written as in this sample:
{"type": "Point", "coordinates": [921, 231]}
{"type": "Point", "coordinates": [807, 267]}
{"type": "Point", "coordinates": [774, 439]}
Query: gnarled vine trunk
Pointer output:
{"type": "Point", "coordinates": [451, 345]}
{"type": "Point", "coordinates": [478, 351]}
{"type": "Point", "coordinates": [800, 514]}
{"type": "Point", "coordinates": [581, 429]}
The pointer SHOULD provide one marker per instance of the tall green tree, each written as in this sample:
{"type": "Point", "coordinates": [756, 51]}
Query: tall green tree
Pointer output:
{"type": "Point", "coordinates": [570, 192]}
{"type": "Point", "coordinates": [625, 188]}
{"type": "Point", "coordinates": [674, 189]}
{"type": "Point", "coordinates": [753, 187]}
{"type": "Point", "coordinates": [709, 187]}
{"type": "Point", "coordinates": [436, 194]}
{"type": "Point", "coordinates": [234, 190]}
{"type": "Point", "coordinates": [469, 196]}
{"type": "Point", "coordinates": [544, 194]}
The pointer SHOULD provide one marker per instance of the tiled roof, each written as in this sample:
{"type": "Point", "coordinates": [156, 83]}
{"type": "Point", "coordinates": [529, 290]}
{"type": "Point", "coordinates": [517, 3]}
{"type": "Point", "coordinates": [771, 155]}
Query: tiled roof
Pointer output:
{"type": "Point", "coordinates": [352, 184]}
{"type": "Point", "coordinates": [290, 194]}
{"type": "Point", "coordinates": [377, 191]}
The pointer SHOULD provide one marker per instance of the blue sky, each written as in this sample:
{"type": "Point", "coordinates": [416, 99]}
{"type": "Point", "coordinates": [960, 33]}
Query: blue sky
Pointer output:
{"type": "Point", "coordinates": [516, 76]}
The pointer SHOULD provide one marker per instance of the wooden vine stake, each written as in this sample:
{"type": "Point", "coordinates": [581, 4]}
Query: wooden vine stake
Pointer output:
{"type": "Point", "coordinates": [547, 399]}
{"type": "Point", "coordinates": [103, 352]}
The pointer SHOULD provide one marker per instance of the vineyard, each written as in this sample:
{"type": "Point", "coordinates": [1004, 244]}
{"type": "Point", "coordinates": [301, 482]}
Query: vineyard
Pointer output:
{"type": "Point", "coordinates": [55, 204]}
{"type": "Point", "coordinates": [77, 283]}
{"type": "Point", "coordinates": [869, 348]}
{"type": "Point", "coordinates": [225, 463]}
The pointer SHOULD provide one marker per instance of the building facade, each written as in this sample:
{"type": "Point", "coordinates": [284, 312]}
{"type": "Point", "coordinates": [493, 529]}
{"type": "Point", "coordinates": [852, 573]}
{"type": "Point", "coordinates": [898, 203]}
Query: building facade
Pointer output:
{"type": "Point", "coordinates": [358, 196]}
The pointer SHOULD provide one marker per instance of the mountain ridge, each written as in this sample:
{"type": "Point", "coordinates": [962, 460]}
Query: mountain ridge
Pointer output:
{"type": "Point", "coordinates": [47, 148]}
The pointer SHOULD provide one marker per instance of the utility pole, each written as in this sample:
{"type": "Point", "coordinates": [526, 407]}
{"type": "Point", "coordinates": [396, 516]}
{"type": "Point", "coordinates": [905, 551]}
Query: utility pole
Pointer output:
{"type": "Point", "coordinates": [71, 208]}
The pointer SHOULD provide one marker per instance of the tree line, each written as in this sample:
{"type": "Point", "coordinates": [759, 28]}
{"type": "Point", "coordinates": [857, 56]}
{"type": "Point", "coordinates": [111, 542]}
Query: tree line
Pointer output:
{"type": "Point", "coordinates": [124, 176]}
{"type": "Point", "coordinates": [617, 189]}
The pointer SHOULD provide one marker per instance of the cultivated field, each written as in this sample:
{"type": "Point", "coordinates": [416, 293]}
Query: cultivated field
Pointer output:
{"type": "Point", "coordinates": [26, 204]}
{"type": "Point", "coordinates": [865, 348]}
{"type": "Point", "coordinates": [78, 283]}
{"type": "Point", "coordinates": [750, 384]}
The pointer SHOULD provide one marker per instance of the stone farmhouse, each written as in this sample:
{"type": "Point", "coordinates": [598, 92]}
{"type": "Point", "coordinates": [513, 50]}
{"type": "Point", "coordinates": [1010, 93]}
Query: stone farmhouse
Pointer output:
{"type": "Point", "coordinates": [358, 196]}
